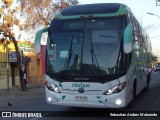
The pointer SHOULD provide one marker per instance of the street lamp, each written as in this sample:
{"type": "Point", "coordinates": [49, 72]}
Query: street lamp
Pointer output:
{"type": "Point", "coordinates": [153, 14]}
{"type": "Point", "coordinates": [157, 2]}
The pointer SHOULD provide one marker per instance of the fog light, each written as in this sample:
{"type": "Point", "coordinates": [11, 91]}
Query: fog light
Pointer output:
{"type": "Point", "coordinates": [118, 102]}
{"type": "Point", "coordinates": [49, 99]}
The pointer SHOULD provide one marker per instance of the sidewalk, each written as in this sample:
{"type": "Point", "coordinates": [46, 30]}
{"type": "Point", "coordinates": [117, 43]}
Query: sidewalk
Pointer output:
{"type": "Point", "coordinates": [15, 96]}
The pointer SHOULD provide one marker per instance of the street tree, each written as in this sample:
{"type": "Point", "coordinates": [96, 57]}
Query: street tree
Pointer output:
{"type": "Point", "coordinates": [154, 59]}
{"type": "Point", "coordinates": [9, 19]}
{"type": "Point", "coordinates": [39, 13]}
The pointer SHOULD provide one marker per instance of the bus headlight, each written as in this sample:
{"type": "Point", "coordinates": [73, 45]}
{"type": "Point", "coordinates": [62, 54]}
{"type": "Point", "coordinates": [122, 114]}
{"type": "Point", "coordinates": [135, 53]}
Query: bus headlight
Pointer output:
{"type": "Point", "coordinates": [118, 102]}
{"type": "Point", "coordinates": [115, 89]}
{"type": "Point", "coordinates": [52, 87]}
{"type": "Point", "coordinates": [49, 99]}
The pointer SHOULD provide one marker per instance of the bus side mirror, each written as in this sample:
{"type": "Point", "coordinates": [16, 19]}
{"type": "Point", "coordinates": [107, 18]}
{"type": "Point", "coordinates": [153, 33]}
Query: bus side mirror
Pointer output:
{"type": "Point", "coordinates": [37, 41]}
{"type": "Point", "coordinates": [127, 38]}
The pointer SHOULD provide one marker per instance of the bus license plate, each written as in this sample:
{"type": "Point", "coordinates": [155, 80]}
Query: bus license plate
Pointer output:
{"type": "Point", "coordinates": [81, 98]}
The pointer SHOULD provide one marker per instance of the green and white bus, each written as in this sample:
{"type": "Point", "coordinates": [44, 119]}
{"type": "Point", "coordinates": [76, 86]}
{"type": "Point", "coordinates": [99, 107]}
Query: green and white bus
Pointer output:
{"type": "Point", "coordinates": [97, 55]}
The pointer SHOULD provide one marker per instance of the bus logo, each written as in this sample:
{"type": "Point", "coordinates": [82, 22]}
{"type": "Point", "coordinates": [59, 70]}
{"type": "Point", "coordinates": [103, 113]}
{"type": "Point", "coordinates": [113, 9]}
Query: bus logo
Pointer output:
{"type": "Point", "coordinates": [80, 85]}
{"type": "Point", "coordinates": [81, 90]}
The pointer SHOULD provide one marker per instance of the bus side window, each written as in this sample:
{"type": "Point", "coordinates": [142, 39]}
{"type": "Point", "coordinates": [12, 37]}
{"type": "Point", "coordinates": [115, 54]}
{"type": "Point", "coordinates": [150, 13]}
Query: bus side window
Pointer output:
{"type": "Point", "coordinates": [136, 50]}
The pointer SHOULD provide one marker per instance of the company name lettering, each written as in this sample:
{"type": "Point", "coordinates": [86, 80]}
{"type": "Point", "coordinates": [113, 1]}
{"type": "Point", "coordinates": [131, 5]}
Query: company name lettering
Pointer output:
{"type": "Point", "coordinates": [80, 85]}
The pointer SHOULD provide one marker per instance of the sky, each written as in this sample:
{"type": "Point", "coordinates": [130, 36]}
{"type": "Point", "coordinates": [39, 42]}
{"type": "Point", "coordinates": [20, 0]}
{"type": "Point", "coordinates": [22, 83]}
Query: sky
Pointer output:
{"type": "Point", "coordinates": [140, 8]}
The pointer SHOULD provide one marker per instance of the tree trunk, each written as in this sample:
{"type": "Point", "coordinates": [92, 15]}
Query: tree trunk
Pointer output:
{"type": "Point", "coordinates": [23, 86]}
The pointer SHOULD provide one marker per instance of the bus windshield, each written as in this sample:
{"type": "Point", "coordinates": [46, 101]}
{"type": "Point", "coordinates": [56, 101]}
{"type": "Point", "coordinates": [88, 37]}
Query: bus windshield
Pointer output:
{"type": "Point", "coordinates": [85, 47]}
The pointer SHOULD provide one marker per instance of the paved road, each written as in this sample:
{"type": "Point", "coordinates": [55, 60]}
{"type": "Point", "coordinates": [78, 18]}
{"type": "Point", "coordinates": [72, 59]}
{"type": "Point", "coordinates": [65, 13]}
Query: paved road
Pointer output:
{"type": "Point", "coordinates": [149, 101]}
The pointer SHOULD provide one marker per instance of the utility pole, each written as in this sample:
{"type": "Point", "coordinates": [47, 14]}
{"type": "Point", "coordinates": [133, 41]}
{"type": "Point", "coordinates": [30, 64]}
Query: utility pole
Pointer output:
{"type": "Point", "coordinates": [7, 60]}
{"type": "Point", "coordinates": [61, 4]}
{"type": "Point", "coordinates": [7, 64]}
{"type": "Point", "coordinates": [154, 15]}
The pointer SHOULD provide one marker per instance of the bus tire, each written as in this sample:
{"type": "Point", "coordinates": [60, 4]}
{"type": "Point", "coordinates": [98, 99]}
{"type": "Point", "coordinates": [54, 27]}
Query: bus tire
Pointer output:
{"type": "Point", "coordinates": [133, 95]}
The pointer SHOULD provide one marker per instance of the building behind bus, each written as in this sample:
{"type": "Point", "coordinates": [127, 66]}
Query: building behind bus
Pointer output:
{"type": "Point", "coordinates": [31, 61]}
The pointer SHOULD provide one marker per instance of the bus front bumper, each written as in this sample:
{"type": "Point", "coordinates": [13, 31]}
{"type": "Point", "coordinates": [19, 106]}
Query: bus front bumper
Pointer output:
{"type": "Point", "coordinates": [81, 100]}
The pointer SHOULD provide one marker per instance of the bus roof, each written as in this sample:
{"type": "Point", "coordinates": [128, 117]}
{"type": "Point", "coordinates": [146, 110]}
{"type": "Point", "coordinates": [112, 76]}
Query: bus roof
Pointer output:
{"type": "Point", "coordinates": [95, 10]}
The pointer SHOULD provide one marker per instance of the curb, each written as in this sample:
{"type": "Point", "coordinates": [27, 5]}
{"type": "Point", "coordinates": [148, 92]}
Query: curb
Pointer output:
{"type": "Point", "coordinates": [29, 86]}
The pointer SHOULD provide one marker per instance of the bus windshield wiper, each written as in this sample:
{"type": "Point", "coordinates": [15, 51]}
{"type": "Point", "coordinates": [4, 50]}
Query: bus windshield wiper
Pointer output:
{"type": "Point", "coordinates": [119, 58]}
{"type": "Point", "coordinates": [93, 56]}
{"type": "Point", "coordinates": [68, 59]}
